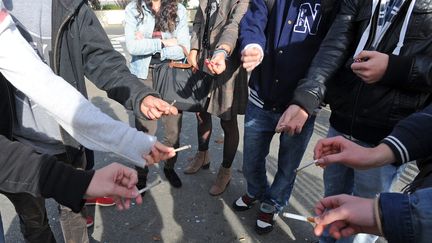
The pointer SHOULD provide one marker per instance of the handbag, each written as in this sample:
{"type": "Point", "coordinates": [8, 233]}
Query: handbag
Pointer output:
{"type": "Point", "coordinates": [175, 81]}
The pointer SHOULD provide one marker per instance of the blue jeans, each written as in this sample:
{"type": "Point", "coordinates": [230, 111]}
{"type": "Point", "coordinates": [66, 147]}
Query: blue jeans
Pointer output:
{"type": "Point", "coordinates": [340, 179]}
{"type": "Point", "coordinates": [259, 129]}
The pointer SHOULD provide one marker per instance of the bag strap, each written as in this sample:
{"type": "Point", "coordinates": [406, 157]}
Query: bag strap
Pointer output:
{"type": "Point", "coordinates": [183, 65]}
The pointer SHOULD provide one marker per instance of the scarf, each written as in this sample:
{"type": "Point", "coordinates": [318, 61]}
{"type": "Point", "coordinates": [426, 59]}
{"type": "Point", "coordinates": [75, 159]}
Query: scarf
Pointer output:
{"type": "Point", "coordinates": [388, 10]}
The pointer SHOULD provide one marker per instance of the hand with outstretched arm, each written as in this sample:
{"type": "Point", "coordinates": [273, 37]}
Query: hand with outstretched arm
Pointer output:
{"type": "Point", "coordinates": [217, 64]}
{"type": "Point", "coordinates": [341, 150]}
{"type": "Point", "coordinates": [345, 215]}
{"type": "Point", "coordinates": [292, 120]}
{"type": "Point", "coordinates": [116, 181]}
{"type": "Point", "coordinates": [251, 57]}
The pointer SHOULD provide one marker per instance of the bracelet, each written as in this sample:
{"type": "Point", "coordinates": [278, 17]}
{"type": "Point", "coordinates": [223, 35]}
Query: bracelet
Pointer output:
{"type": "Point", "coordinates": [377, 214]}
{"type": "Point", "coordinates": [221, 51]}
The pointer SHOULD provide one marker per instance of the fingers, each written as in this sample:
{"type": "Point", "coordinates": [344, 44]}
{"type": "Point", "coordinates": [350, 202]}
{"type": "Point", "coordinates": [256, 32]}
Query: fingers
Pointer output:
{"type": "Point", "coordinates": [159, 152]}
{"type": "Point", "coordinates": [251, 58]}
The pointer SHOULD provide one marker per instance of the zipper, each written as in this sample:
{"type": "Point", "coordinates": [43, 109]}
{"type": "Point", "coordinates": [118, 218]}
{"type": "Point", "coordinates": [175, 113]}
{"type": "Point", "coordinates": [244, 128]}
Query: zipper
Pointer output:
{"type": "Point", "coordinates": [11, 111]}
{"type": "Point", "coordinates": [354, 113]}
{"type": "Point", "coordinates": [56, 47]}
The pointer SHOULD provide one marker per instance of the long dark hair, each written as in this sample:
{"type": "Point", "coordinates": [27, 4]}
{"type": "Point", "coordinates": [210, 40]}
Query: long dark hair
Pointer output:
{"type": "Point", "coordinates": [166, 18]}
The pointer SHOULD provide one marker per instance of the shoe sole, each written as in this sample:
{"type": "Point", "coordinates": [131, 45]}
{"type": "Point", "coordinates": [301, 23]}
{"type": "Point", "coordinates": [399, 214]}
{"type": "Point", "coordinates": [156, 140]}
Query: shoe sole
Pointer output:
{"type": "Point", "coordinates": [99, 204]}
{"type": "Point", "coordinates": [263, 231]}
{"type": "Point", "coordinates": [241, 209]}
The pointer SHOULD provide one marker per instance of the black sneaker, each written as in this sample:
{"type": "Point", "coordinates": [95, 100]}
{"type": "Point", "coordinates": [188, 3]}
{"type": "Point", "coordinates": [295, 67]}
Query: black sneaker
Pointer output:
{"type": "Point", "coordinates": [266, 218]}
{"type": "Point", "coordinates": [172, 177]}
{"type": "Point", "coordinates": [243, 203]}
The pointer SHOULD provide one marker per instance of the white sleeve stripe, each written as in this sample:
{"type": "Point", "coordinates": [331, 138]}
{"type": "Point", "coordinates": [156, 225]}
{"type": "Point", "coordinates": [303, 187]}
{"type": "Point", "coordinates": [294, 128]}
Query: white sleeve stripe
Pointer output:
{"type": "Point", "coordinates": [400, 147]}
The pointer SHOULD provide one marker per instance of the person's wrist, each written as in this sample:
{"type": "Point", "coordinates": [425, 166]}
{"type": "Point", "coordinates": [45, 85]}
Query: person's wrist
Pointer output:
{"type": "Point", "coordinates": [221, 51]}
{"type": "Point", "coordinates": [377, 214]}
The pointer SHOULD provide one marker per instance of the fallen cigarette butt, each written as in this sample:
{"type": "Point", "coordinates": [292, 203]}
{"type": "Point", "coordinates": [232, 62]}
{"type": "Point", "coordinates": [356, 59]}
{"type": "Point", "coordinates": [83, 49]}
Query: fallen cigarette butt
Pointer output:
{"type": "Point", "coordinates": [151, 185]}
{"type": "Point", "coordinates": [307, 165]}
{"type": "Point", "coordinates": [183, 148]}
{"type": "Point", "coordinates": [299, 217]}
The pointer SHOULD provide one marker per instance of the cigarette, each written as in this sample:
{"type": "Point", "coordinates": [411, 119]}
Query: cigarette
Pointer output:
{"type": "Point", "coordinates": [299, 217]}
{"type": "Point", "coordinates": [307, 165]}
{"type": "Point", "coordinates": [151, 185]}
{"type": "Point", "coordinates": [172, 103]}
{"type": "Point", "coordinates": [183, 148]}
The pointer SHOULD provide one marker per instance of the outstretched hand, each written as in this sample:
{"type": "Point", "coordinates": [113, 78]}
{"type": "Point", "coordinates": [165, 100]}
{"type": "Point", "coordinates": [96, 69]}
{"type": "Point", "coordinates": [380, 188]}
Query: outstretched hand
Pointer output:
{"type": "Point", "coordinates": [341, 150]}
{"type": "Point", "coordinates": [292, 120]}
{"type": "Point", "coordinates": [159, 152]}
{"type": "Point", "coordinates": [217, 64]}
{"type": "Point", "coordinates": [116, 181]}
{"type": "Point", "coordinates": [251, 57]}
{"type": "Point", "coordinates": [153, 108]}
{"type": "Point", "coordinates": [345, 215]}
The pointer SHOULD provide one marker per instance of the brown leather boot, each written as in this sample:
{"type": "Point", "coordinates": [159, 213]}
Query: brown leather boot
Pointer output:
{"type": "Point", "coordinates": [222, 180]}
{"type": "Point", "coordinates": [201, 160]}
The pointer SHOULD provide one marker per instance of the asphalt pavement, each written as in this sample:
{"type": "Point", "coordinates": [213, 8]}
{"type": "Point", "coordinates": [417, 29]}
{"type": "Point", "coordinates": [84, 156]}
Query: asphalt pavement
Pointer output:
{"type": "Point", "coordinates": [190, 214]}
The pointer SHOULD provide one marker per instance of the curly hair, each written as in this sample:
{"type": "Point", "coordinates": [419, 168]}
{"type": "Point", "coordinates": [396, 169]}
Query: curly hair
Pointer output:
{"type": "Point", "coordinates": [166, 17]}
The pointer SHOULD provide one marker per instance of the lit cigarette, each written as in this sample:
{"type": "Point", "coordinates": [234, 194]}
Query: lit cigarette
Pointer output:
{"type": "Point", "coordinates": [183, 148]}
{"type": "Point", "coordinates": [299, 217]}
{"type": "Point", "coordinates": [151, 185]}
{"type": "Point", "coordinates": [307, 165]}
{"type": "Point", "coordinates": [172, 103]}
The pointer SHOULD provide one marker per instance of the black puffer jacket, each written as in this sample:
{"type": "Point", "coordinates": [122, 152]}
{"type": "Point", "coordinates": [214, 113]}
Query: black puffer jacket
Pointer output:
{"type": "Point", "coordinates": [369, 112]}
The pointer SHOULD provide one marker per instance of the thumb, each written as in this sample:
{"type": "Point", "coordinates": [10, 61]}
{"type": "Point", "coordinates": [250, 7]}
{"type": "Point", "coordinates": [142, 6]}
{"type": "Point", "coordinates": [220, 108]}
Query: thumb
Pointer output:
{"type": "Point", "coordinates": [329, 159]}
{"type": "Point", "coordinates": [331, 216]}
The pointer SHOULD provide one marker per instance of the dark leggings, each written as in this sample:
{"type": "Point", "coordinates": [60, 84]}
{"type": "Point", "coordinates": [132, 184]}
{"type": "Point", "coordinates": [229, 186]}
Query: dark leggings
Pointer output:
{"type": "Point", "coordinates": [231, 136]}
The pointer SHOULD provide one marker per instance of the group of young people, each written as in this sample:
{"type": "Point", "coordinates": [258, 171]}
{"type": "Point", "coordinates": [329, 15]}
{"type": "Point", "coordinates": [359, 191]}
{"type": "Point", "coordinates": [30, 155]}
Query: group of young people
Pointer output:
{"type": "Point", "coordinates": [369, 60]}
{"type": "Point", "coordinates": [275, 61]}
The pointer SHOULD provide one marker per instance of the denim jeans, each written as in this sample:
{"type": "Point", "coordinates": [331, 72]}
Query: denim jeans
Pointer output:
{"type": "Point", "coordinates": [340, 179]}
{"type": "Point", "coordinates": [259, 130]}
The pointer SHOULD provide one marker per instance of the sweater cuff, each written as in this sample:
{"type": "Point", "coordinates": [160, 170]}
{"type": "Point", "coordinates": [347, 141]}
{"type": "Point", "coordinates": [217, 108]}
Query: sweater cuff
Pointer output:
{"type": "Point", "coordinates": [398, 70]}
{"type": "Point", "coordinates": [398, 149]}
{"type": "Point", "coordinates": [64, 183]}
{"type": "Point", "coordinates": [395, 211]}
{"type": "Point", "coordinates": [305, 100]}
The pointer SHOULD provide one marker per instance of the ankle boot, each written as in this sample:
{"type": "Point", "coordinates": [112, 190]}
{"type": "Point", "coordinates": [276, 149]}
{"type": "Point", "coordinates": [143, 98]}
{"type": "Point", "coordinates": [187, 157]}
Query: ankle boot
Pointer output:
{"type": "Point", "coordinates": [222, 180]}
{"type": "Point", "coordinates": [201, 160]}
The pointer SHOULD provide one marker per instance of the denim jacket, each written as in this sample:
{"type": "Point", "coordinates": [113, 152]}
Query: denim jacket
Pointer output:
{"type": "Point", "coordinates": [142, 50]}
{"type": "Point", "coordinates": [407, 218]}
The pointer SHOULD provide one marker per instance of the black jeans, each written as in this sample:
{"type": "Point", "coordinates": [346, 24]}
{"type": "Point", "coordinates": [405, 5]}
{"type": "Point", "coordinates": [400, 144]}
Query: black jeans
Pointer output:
{"type": "Point", "coordinates": [33, 217]}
